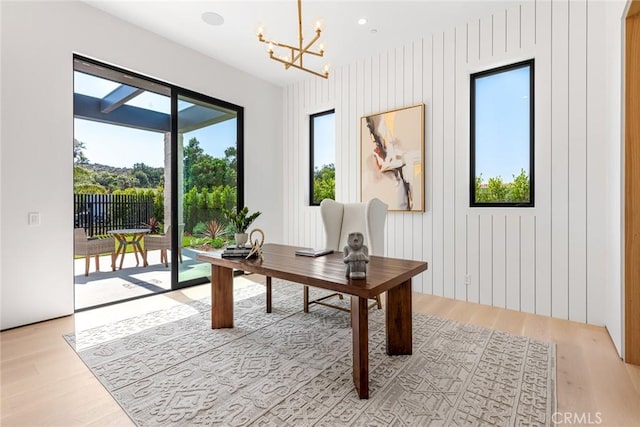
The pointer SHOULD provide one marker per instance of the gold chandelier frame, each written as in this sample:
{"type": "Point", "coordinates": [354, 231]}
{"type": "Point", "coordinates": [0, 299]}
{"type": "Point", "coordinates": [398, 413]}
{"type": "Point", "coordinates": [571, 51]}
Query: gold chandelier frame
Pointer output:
{"type": "Point", "coordinates": [295, 59]}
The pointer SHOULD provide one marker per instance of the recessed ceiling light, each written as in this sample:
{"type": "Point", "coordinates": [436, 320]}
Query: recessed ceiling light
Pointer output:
{"type": "Point", "coordinates": [212, 18]}
{"type": "Point", "coordinates": [362, 21]}
{"type": "Point", "coordinates": [373, 31]}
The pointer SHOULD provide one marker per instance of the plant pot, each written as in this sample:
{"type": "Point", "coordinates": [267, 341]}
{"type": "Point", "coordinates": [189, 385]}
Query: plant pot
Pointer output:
{"type": "Point", "coordinates": [241, 238]}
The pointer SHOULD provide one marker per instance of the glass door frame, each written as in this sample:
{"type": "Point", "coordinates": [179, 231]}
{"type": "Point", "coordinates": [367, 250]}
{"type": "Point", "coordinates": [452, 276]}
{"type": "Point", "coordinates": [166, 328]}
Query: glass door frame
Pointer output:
{"type": "Point", "coordinates": [177, 92]}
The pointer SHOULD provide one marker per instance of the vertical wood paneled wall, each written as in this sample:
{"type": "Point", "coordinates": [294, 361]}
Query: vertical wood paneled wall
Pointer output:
{"type": "Point", "coordinates": [549, 259]}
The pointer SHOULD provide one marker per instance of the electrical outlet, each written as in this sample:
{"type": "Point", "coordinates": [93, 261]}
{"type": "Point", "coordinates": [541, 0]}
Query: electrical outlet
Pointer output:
{"type": "Point", "coordinates": [33, 218]}
{"type": "Point", "coordinates": [467, 279]}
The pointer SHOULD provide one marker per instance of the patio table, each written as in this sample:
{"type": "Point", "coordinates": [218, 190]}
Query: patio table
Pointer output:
{"type": "Point", "coordinates": [136, 235]}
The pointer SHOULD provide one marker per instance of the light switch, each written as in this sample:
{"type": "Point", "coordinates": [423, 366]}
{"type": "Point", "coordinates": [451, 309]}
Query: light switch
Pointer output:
{"type": "Point", "coordinates": [33, 218]}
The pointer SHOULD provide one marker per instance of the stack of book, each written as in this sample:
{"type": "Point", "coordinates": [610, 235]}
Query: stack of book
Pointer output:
{"type": "Point", "coordinates": [236, 252]}
{"type": "Point", "coordinates": [313, 252]}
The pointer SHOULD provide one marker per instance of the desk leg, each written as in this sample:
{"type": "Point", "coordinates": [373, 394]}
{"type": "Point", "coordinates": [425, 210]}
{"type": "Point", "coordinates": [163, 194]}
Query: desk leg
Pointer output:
{"type": "Point", "coordinates": [268, 294]}
{"type": "Point", "coordinates": [360, 334]}
{"type": "Point", "coordinates": [305, 298]}
{"type": "Point", "coordinates": [398, 320]}
{"type": "Point", "coordinates": [221, 297]}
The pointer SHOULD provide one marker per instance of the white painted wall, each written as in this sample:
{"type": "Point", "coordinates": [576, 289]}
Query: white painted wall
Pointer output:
{"type": "Point", "coordinates": [559, 258]}
{"type": "Point", "coordinates": [38, 41]}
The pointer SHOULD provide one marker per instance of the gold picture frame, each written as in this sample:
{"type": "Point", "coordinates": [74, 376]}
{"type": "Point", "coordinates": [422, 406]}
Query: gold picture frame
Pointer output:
{"type": "Point", "coordinates": [392, 158]}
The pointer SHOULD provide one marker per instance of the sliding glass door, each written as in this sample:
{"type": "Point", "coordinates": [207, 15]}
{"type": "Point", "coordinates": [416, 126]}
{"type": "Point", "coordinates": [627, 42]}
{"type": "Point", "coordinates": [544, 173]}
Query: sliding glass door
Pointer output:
{"type": "Point", "coordinates": [154, 167]}
{"type": "Point", "coordinates": [207, 179]}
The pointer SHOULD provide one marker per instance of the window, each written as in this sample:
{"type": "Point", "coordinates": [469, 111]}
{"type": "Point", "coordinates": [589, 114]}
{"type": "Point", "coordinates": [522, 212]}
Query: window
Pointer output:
{"type": "Point", "coordinates": [323, 154]}
{"type": "Point", "coordinates": [502, 136]}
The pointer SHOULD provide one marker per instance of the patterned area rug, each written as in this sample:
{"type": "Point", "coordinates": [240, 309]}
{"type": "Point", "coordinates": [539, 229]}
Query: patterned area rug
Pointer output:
{"type": "Point", "coordinates": [289, 368]}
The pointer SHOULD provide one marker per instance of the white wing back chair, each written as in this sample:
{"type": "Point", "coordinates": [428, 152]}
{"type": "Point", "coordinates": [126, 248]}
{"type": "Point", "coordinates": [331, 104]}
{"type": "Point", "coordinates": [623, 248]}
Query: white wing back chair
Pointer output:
{"type": "Point", "coordinates": [340, 219]}
{"type": "Point", "coordinates": [88, 247]}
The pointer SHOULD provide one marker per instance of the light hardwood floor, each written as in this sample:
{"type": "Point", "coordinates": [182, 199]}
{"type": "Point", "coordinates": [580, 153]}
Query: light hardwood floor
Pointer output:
{"type": "Point", "coordinates": [44, 383]}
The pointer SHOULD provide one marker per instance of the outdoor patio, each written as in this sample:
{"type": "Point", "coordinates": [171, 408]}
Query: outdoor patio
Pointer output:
{"type": "Point", "coordinates": [132, 280]}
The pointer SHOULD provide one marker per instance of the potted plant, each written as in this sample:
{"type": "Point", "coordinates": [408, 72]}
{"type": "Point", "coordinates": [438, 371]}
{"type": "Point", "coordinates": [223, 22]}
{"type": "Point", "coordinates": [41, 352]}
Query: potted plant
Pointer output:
{"type": "Point", "coordinates": [240, 222]}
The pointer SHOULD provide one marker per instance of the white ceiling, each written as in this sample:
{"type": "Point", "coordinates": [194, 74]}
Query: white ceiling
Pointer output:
{"type": "Point", "coordinates": [235, 42]}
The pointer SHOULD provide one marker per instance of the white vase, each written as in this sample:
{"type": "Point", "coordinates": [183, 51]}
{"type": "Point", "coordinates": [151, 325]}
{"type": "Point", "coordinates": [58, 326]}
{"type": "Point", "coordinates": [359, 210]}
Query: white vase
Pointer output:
{"type": "Point", "coordinates": [241, 238]}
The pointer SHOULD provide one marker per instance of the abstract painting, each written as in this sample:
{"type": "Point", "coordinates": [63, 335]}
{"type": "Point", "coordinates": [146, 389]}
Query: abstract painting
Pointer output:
{"type": "Point", "coordinates": [392, 158]}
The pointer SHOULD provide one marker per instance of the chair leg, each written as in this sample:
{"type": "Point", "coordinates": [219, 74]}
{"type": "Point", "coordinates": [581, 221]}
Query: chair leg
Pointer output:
{"type": "Point", "coordinates": [86, 265]}
{"type": "Point", "coordinates": [166, 258]}
{"type": "Point", "coordinates": [113, 261]}
{"type": "Point", "coordinates": [180, 255]}
{"type": "Point", "coordinates": [305, 298]}
{"type": "Point", "coordinates": [98, 262]}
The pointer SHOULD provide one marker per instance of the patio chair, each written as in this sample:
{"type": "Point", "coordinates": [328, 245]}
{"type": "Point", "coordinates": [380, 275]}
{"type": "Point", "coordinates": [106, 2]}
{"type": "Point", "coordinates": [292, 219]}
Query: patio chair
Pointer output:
{"type": "Point", "coordinates": [91, 246]}
{"type": "Point", "coordinates": [162, 243]}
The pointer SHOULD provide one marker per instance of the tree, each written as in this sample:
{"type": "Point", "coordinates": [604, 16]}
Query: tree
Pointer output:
{"type": "Point", "coordinates": [153, 176]}
{"type": "Point", "coordinates": [324, 183]}
{"type": "Point", "coordinates": [231, 156]}
{"type": "Point", "coordinates": [84, 182]}
{"type": "Point", "coordinates": [497, 190]}
{"type": "Point", "coordinates": [82, 176]}
{"type": "Point", "coordinates": [191, 155]}
{"type": "Point", "coordinates": [142, 178]}
{"type": "Point", "coordinates": [89, 189]}
{"type": "Point", "coordinates": [519, 190]}
{"type": "Point", "coordinates": [107, 180]}
{"type": "Point", "coordinates": [78, 154]}
{"type": "Point", "coordinates": [125, 181]}
{"type": "Point", "coordinates": [211, 172]}
{"type": "Point", "coordinates": [482, 194]}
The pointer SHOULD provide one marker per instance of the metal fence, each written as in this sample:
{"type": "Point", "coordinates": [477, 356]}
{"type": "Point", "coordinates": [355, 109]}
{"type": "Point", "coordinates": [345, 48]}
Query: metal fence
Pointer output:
{"type": "Point", "coordinates": [99, 213]}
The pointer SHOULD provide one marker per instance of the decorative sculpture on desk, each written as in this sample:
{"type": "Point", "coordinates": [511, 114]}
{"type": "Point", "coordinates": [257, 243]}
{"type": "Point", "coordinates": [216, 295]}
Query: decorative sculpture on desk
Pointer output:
{"type": "Point", "coordinates": [356, 256]}
{"type": "Point", "coordinates": [256, 245]}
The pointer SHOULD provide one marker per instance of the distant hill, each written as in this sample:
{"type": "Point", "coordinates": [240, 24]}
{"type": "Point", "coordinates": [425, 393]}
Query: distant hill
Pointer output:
{"type": "Point", "coordinates": [97, 167]}
{"type": "Point", "coordinates": [112, 178]}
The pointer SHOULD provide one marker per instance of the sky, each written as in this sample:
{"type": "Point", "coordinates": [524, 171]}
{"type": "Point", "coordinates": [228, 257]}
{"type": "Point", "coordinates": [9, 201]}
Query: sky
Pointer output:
{"type": "Point", "coordinates": [502, 124]}
{"type": "Point", "coordinates": [324, 147]}
{"type": "Point", "coordinates": [119, 146]}
{"type": "Point", "coordinates": [123, 147]}
{"type": "Point", "coordinates": [502, 129]}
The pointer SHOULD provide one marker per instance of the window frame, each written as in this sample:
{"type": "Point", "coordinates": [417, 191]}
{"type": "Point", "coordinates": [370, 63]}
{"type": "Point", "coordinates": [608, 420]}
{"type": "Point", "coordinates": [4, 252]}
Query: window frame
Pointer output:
{"type": "Point", "coordinates": [530, 63]}
{"type": "Point", "coordinates": [312, 117]}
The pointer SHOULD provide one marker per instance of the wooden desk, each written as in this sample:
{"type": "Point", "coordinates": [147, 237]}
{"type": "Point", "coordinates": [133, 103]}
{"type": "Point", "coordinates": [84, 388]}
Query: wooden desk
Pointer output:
{"type": "Point", "coordinates": [389, 275]}
{"type": "Point", "coordinates": [121, 237]}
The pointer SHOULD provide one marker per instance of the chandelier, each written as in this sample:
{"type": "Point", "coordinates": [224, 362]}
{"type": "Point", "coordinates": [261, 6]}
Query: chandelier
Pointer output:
{"type": "Point", "coordinates": [294, 56]}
